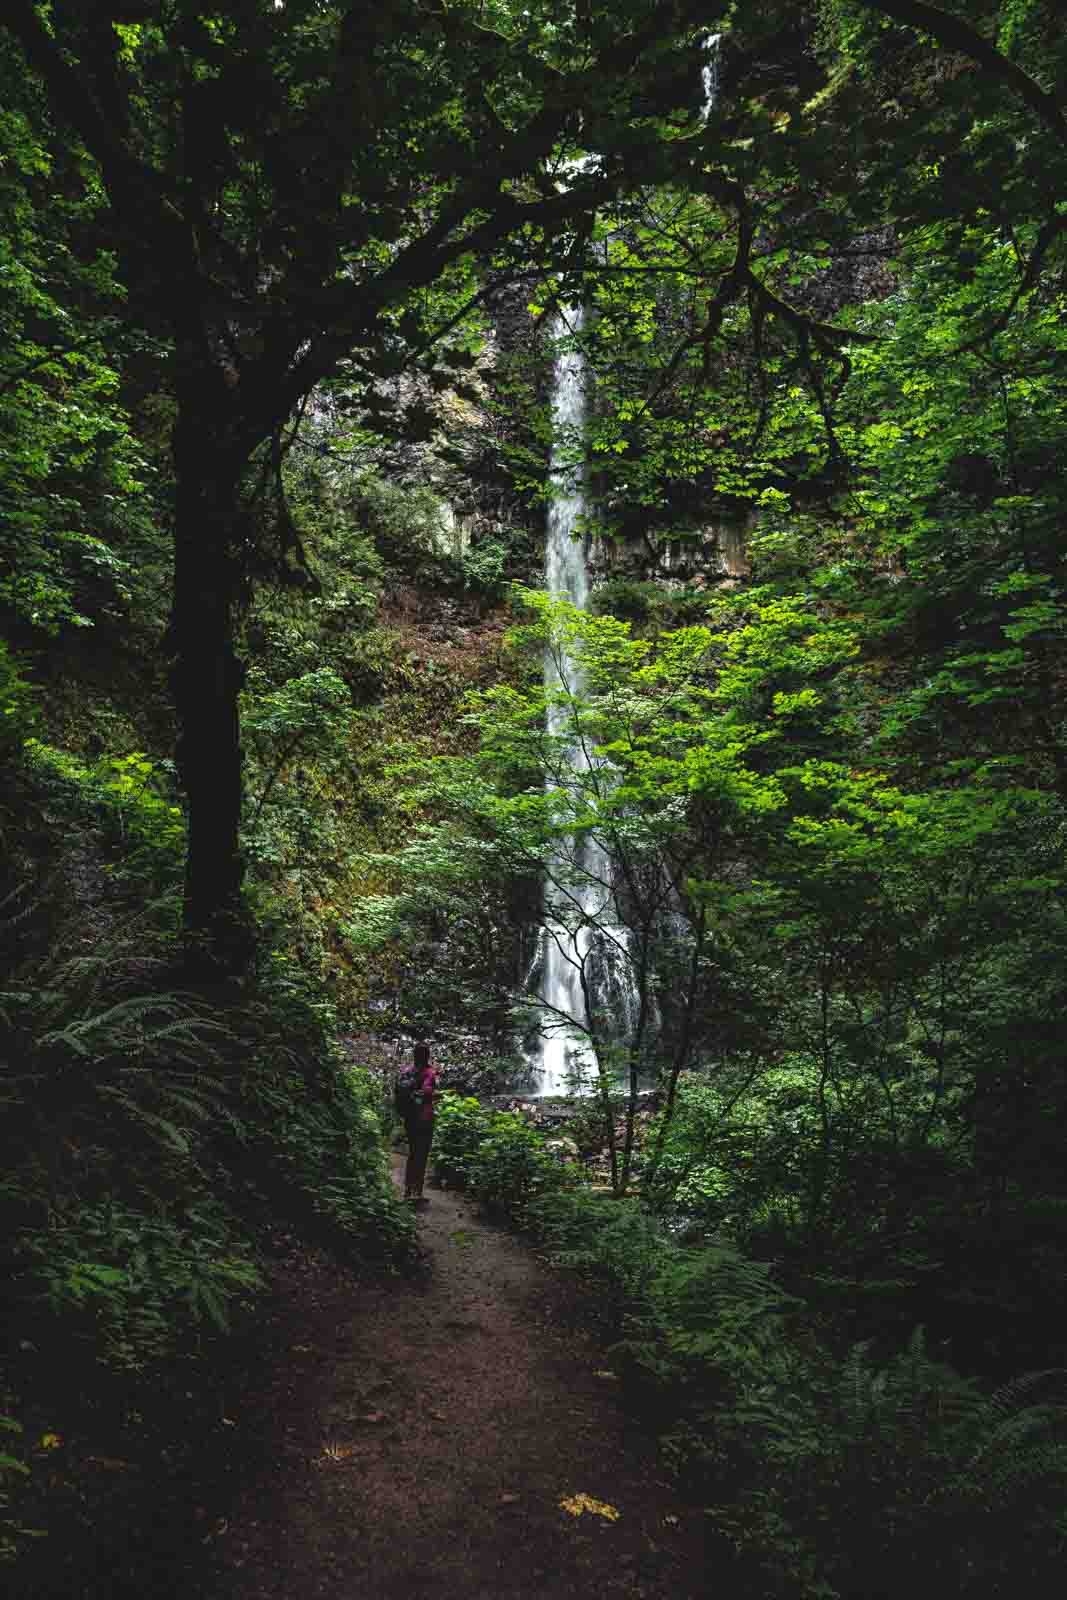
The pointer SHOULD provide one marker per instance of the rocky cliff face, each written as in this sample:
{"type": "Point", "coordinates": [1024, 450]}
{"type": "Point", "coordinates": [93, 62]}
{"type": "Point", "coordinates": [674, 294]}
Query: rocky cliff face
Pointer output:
{"type": "Point", "coordinates": [713, 556]}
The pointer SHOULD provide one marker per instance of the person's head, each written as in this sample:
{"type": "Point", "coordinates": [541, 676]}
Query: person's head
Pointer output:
{"type": "Point", "coordinates": [422, 1054]}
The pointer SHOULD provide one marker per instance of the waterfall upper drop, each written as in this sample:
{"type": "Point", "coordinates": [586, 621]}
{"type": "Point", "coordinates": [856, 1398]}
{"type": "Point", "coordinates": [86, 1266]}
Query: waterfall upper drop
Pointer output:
{"type": "Point", "coordinates": [709, 74]}
{"type": "Point", "coordinates": [566, 566]}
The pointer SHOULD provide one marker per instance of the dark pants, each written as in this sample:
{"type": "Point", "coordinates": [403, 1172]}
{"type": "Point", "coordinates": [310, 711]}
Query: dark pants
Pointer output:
{"type": "Point", "coordinates": [420, 1138]}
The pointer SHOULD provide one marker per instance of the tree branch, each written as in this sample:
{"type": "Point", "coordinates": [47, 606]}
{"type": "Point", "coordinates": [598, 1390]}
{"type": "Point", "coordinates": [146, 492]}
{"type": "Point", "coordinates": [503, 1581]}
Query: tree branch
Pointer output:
{"type": "Point", "coordinates": [1050, 232]}
{"type": "Point", "coordinates": [956, 34]}
{"type": "Point", "coordinates": [127, 179]}
{"type": "Point", "coordinates": [823, 333]}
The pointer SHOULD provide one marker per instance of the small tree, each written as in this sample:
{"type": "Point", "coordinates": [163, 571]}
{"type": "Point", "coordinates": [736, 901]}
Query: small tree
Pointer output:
{"type": "Point", "coordinates": [662, 795]}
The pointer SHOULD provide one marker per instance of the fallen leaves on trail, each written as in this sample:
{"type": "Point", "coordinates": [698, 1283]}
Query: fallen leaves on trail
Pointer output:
{"type": "Point", "coordinates": [604, 1372]}
{"type": "Point", "coordinates": [372, 1416]}
{"type": "Point", "coordinates": [438, 1416]}
{"type": "Point", "coordinates": [508, 1499]}
{"type": "Point", "coordinates": [337, 1452]}
{"type": "Point", "coordinates": [577, 1503]}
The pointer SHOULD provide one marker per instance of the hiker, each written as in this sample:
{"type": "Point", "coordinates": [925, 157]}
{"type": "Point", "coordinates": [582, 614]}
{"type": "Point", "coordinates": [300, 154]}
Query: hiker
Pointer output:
{"type": "Point", "coordinates": [414, 1099]}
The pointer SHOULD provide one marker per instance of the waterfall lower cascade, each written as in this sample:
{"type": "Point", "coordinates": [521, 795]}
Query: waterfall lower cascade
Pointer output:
{"type": "Point", "coordinates": [579, 886]}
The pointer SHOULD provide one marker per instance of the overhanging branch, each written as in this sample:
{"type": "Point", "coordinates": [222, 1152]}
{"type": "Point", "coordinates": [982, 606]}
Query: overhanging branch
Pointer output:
{"type": "Point", "coordinates": [956, 34]}
{"type": "Point", "coordinates": [133, 187]}
{"type": "Point", "coordinates": [824, 334]}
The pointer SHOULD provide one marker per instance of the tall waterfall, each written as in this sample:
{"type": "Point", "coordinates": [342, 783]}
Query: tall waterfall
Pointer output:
{"type": "Point", "coordinates": [581, 936]}
{"type": "Point", "coordinates": [566, 573]}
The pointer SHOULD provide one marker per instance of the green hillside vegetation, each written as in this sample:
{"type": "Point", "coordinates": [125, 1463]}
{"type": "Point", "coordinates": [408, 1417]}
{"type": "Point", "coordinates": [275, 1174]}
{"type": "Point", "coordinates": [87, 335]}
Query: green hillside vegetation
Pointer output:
{"type": "Point", "coordinates": [278, 287]}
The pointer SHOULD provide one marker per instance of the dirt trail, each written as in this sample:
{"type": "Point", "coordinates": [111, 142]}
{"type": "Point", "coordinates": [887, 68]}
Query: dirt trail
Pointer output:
{"type": "Point", "coordinates": [419, 1437]}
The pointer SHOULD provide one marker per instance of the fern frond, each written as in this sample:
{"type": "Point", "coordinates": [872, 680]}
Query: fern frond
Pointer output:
{"type": "Point", "coordinates": [1009, 1433]}
{"type": "Point", "coordinates": [1005, 1399]}
{"type": "Point", "coordinates": [166, 1132]}
{"type": "Point", "coordinates": [855, 1386]}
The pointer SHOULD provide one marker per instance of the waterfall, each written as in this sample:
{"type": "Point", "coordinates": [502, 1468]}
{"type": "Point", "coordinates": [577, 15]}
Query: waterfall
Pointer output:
{"type": "Point", "coordinates": [581, 933]}
{"type": "Point", "coordinates": [563, 954]}
{"type": "Point", "coordinates": [709, 73]}
{"type": "Point", "coordinates": [566, 569]}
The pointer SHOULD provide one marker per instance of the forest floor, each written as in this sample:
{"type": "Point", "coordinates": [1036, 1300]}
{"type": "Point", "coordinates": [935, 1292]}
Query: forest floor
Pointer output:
{"type": "Point", "coordinates": [414, 1439]}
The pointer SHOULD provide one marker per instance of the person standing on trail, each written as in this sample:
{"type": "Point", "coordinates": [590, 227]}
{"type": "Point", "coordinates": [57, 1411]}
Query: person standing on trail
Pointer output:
{"type": "Point", "coordinates": [415, 1088]}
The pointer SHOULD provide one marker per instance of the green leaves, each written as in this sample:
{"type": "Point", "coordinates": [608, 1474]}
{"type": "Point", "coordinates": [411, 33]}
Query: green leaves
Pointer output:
{"type": "Point", "coordinates": [496, 1156]}
{"type": "Point", "coordinates": [71, 475]}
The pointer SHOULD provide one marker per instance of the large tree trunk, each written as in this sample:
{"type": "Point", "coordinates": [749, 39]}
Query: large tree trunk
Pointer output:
{"type": "Point", "coordinates": [207, 674]}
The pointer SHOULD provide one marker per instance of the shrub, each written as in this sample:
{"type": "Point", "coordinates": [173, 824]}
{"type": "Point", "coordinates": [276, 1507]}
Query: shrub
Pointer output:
{"type": "Point", "coordinates": [460, 1125]}
{"type": "Point", "coordinates": [830, 1476]}
{"type": "Point", "coordinates": [629, 599]}
{"type": "Point", "coordinates": [12, 1532]}
{"type": "Point", "coordinates": [137, 1288]}
{"type": "Point", "coordinates": [867, 1480]}
{"type": "Point", "coordinates": [143, 1129]}
{"type": "Point", "coordinates": [16, 705]}
{"type": "Point", "coordinates": [131, 798]}
{"type": "Point", "coordinates": [316, 1151]}
{"type": "Point", "coordinates": [497, 1156]}
{"type": "Point", "coordinates": [511, 1167]}
{"type": "Point", "coordinates": [589, 1124]}
{"type": "Point", "coordinates": [409, 527]}
{"type": "Point", "coordinates": [688, 1316]}
{"type": "Point", "coordinates": [482, 566]}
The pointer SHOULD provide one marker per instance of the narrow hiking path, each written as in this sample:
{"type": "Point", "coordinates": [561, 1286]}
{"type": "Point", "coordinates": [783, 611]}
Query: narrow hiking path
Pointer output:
{"type": "Point", "coordinates": [419, 1436]}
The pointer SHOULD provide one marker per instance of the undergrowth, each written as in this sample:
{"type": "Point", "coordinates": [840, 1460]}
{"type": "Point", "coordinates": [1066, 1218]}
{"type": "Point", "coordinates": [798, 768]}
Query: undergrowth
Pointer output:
{"type": "Point", "coordinates": [823, 1473]}
{"type": "Point", "coordinates": [153, 1137]}
{"type": "Point", "coordinates": [496, 1156]}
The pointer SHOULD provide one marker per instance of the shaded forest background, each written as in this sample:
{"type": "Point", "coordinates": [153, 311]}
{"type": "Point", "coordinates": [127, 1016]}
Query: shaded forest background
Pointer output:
{"type": "Point", "coordinates": [278, 286]}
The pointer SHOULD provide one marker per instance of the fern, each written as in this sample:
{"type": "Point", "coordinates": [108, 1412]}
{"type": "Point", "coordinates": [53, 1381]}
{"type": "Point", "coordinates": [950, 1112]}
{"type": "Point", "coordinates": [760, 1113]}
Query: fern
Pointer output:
{"type": "Point", "coordinates": [1006, 1399]}
{"type": "Point", "coordinates": [1012, 1429]}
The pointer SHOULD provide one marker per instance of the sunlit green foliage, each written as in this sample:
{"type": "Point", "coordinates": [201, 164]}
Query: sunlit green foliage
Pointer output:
{"type": "Point", "coordinates": [71, 475]}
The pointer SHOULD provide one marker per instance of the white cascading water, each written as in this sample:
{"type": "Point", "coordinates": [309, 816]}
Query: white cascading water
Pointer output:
{"type": "Point", "coordinates": [585, 939]}
{"type": "Point", "coordinates": [709, 74]}
{"type": "Point", "coordinates": [581, 936]}
{"type": "Point", "coordinates": [563, 953]}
